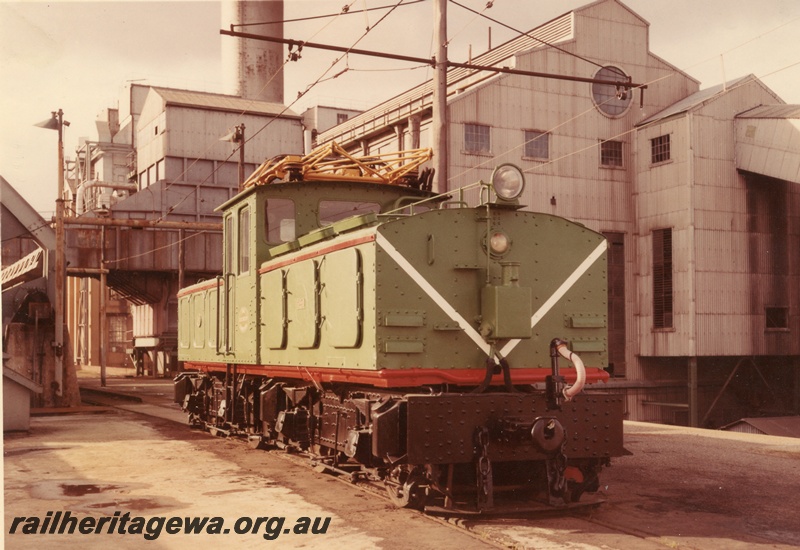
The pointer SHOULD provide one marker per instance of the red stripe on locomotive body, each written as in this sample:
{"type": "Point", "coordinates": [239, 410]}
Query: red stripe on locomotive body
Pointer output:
{"type": "Point", "coordinates": [201, 287]}
{"type": "Point", "coordinates": [315, 253]}
{"type": "Point", "coordinates": [400, 378]}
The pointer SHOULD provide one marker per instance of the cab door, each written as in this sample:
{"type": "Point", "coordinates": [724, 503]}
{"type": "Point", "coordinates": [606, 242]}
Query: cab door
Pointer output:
{"type": "Point", "coordinates": [240, 320]}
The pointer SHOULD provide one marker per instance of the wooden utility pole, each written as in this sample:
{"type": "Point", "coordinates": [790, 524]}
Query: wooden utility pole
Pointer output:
{"type": "Point", "coordinates": [440, 138]}
{"type": "Point", "coordinates": [57, 122]}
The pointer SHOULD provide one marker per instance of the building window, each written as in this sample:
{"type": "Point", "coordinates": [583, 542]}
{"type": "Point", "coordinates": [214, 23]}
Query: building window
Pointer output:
{"type": "Point", "coordinates": [537, 144]}
{"type": "Point", "coordinates": [610, 99]}
{"type": "Point", "coordinates": [777, 317]}
{"type": "Point", "coordinates": [611, 153]}
{"type": "Point", "coordinates": [341, 117]}
{"type": "Point", "coordinates": [117, 331]}
{"type": "Point", "coordinates": [244, 240]}
{"type": "Point", "coordinates": [477, 138]}
{"type": "Point", "coordinates": [662, 278]}
{"type": "Point", "coordinates": [659, 149]}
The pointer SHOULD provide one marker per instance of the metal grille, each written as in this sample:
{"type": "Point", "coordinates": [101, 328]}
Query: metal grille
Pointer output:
{"type": "Point", "coordinates": [616, 302]}
{"type": "Point", "coordinates": [662, 278]}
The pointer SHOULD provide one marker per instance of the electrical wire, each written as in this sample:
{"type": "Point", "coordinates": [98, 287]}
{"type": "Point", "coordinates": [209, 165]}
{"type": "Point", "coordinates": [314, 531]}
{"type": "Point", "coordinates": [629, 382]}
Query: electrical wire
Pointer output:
{"type": "Point", "coordinates": [247, 139]}
{"type": "Point", "coordinates": [166, 246]}
{"type": "Point", "coordinates": [313, 17]}
{"type": "Point", "coordinates": [495, 157]}
{"type": "Point", "coordinates": [548, 44]}
{"type": "Point", "coordinates": [469, 24]}
{"type": "Point", "coordinates": [276, 117]}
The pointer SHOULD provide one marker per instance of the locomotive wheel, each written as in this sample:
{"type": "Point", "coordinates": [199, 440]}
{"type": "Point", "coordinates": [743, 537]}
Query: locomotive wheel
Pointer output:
{"type": "Point", "coordinates": [407, 495]}
{"type": "Point", "coordinates": [256, 442]}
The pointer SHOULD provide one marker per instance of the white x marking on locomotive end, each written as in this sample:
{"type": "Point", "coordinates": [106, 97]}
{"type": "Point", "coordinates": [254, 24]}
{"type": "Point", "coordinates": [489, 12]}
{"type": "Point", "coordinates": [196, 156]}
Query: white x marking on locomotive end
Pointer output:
{"type": "Point", "coordinates": [434, 295]}
{"type": "Point", "coordinates": [559, 293]}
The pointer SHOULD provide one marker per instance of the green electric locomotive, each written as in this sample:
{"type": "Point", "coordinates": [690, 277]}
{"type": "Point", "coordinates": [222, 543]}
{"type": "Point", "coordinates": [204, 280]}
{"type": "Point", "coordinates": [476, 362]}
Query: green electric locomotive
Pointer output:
{"type": "Point", "coordinates": [402, 337]}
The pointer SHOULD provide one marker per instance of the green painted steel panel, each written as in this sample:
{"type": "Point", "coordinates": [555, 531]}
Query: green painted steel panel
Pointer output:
{"type": "Point", "coordinates": [303, 305]}
{"type": "Point", "coordinates": [273, 309]}
{"type": "Point", "coordinates": [506, 311]}
{"type": "Point", "coordinates": [579, 320]}
{"type": "Point", "coordinates": [341, 295]}
{"type": "Point", "coordinates": [403, 346]}
{"type": "Point", "coordinates": [213, 319]}
{"type": "Point", "coordinates": [404, 320]}
{"type": "Point", "coordinates": [184, 326]}
{"type": "Point", "coordinates": [198, 320]}
{"type": "Point", "coordinates": [587, 346]}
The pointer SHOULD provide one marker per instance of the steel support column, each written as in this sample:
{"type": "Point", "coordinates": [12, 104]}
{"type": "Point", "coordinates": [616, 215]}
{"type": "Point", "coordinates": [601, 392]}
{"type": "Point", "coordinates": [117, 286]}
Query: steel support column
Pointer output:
{"type": "Point", "coordinates": [694, 415]}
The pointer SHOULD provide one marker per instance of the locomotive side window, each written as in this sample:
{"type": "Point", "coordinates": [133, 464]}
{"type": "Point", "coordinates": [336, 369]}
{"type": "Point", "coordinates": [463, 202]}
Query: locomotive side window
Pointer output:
{"type": "Point", "coordinates": [244, 240]}
{"type": "Point", "coordinates": [228, 267]}
{"type": "Point", "coordinates": [280, 220]}
{"type": "Point", "coordinates": [333, 211]}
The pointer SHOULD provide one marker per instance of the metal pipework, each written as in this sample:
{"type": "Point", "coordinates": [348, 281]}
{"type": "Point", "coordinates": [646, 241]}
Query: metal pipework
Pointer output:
{"type": "Point", "coordinates": [559, 347]}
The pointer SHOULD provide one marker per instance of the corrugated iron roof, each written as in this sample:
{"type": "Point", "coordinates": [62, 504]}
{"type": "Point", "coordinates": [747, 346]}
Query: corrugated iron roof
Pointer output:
{"type": "Point", "coordinates": [772, 111]}
{"type": "Point", "coordinates": [694, 100]}
{"type": "Point", "coordinates": [784, 426]}
{"type": "Point", "coordinates": [220, 102]}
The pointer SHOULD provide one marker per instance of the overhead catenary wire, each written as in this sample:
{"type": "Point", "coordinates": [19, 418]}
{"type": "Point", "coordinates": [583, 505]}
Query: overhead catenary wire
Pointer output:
{"type": "Point", "coordinates": [275, 117]}
{"type": "Point", "coordinates": [539, 166]}
{"type": "Point", "coordinates": [345, 11]}
{"type": "Point", "coordinates": [509, 27]}
{"type": "Point", "coordinates": [247, 138]}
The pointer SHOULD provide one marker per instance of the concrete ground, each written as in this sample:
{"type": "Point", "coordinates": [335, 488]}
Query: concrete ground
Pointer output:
{"type": "Point", "coordinates": [681, 488]}
{"type": "Point", "coordinates": [118, 462]}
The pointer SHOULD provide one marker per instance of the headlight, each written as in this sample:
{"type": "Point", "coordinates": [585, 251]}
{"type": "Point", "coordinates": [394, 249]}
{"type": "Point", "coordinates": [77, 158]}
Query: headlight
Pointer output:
{"type": "Point", "coordinates": [499, 243]}
{"type": "Point", "coordinates": [508, 182]}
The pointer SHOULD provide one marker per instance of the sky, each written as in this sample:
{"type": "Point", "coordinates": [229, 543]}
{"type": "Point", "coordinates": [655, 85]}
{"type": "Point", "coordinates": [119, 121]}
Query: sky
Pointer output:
{"type": "Point", "coordinates": [78, 56]}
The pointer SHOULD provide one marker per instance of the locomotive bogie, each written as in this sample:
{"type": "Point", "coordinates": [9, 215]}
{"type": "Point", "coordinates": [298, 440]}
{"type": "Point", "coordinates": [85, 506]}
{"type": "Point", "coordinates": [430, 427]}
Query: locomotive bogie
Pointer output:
{"type": "Point", "coordinates": [424, 447]}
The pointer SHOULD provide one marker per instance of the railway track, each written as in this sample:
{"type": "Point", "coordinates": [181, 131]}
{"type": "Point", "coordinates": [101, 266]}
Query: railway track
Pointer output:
{"type": "Point", "coordinates": [670, 493]}
{"type": "Point", "coordinates": [546, 528]}
{"type": "Point", "coordinates": [543, 527]}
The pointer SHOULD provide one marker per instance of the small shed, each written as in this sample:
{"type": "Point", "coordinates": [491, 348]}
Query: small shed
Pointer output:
{"type": "Point", "coordinates": [783, 426]}
{"type": "Point", "coordinates": [17, 390]}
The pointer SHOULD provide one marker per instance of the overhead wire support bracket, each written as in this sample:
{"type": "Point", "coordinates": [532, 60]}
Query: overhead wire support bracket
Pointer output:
{"type": "Point", "coordinates": [626, 84]}
{"type": "Point", "coordinates": [330, 47]}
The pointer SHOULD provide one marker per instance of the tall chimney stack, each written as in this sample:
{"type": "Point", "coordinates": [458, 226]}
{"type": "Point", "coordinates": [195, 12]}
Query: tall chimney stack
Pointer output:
{"type": "Point", "coordinates": [253, 69]}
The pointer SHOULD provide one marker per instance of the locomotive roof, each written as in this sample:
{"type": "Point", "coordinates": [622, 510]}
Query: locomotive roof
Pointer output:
{"type": "Point", "coordinates": [332, 190]}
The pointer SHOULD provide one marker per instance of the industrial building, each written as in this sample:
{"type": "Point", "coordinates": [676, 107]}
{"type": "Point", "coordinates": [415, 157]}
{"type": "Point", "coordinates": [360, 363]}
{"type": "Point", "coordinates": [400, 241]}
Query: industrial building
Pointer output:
{"type": "Point", "coordinates": [162, 158]}
{"type": "Point", "coordinates": [696, 191]}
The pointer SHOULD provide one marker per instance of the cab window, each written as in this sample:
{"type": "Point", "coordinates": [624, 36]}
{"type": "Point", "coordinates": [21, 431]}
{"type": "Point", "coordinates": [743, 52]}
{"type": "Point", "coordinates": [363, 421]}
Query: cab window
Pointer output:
{"type": "Point", "coordinates": [228, 244]}
{"type": "Point", "coordinates": [244, 240]}
{"type": "Point", "coordinates": [280, 220]}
